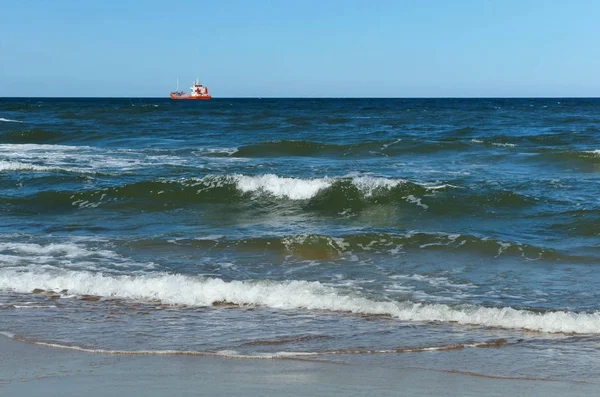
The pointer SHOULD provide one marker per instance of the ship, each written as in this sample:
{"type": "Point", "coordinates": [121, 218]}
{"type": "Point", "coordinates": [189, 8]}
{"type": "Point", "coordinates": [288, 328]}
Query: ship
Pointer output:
{"type": "Point", "coordinates": [197, 91]}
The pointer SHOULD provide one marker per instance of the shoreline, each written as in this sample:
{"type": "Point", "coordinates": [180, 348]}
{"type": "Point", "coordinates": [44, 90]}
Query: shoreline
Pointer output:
{"type": "Point", "coordinates": [31, 370]}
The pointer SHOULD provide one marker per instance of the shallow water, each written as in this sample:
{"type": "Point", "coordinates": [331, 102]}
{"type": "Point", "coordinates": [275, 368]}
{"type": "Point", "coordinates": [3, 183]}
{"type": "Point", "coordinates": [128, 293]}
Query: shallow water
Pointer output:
{"type": "Point", "coordinates": [440, 233]}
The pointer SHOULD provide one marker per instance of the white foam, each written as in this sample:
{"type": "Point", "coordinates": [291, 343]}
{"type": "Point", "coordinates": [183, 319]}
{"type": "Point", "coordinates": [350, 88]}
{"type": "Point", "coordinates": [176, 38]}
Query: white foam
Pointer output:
{"type": "Point", "coordinates": [198, 291]}
{"type": "Point", "coordinates": [430, 186]}
{"type": "Point", "coordinates": [498, 144]}
{"type": "Point", "coordinates": [34, 306]}
{"type": "Point", "coordinates": [76, 256]}
{"type": "Point", "coordinates": [20, 166]}
{"type": "Point", "coordinates": [369, 184]}
{"type": "Point", "coordinates": [46, 158]}
{"type": "Point", "coordinates": [386, 145]}
{"type": "Point", "coordinates": [64, 250]}
{"type": "Point", "coordinates": [82, 159]}
{"type": "Point", "coordinates": [336, 243]}
{"type": "Point", "coordinates": [27, 147]}
{"type": "Point", "coordinates": [9, 120]}
{"type": "Point", "coordinates": [223, 150]}
{"type": "Point", "coordinates": [107, 160]}
{"type": "Point", "coordinates": [594, 152]}
{"type": "Point", "coordinates": [435, 281]}
{"type": "Point", "coordinates": [504, 144]}
{"type": "Point", "coordinates": [415, 200]}
{"type": "Point", "coordinates": [291, 188]}
{"type": "Point", "coordinates": [211, 237]}
{"type": "Point", "coordinates": [303, 189]}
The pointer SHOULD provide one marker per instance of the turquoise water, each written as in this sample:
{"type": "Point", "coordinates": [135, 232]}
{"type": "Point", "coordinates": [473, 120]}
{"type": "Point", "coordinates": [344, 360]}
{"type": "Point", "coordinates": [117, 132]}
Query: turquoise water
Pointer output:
{"type": "Point", "coordinates": [408, 231]}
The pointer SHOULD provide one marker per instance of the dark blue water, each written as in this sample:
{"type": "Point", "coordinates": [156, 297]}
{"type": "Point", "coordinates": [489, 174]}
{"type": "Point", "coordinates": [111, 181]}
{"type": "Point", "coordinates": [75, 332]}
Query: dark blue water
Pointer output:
{"type": "Point", "coordinates": [359, 229]}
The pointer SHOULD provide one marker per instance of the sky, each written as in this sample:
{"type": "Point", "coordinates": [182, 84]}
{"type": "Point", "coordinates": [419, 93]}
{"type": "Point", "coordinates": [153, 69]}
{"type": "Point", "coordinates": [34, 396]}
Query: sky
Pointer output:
{"type": "Point", "coordinates": [308, 48]}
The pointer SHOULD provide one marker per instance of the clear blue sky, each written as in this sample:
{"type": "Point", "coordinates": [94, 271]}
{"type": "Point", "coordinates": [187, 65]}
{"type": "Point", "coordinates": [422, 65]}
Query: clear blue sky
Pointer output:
{"type": "Point", "coordinates": [307, 48]}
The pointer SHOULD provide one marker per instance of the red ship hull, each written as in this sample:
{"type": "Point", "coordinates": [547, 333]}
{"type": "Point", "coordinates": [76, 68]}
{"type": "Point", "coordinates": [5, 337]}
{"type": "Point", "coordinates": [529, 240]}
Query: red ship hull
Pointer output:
{"type": "Point", "coordinates": [190, 97]}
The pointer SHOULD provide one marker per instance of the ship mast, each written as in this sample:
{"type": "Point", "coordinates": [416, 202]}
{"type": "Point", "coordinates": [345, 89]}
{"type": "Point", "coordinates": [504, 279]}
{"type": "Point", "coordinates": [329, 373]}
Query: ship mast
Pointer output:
{"type": "Point", "coordinates": [177, 85]}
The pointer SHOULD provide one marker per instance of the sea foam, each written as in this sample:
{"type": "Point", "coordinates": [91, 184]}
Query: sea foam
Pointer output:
{"type": "Point", "coordinates": [199, 291]}
{"type": "Point", "coordinates": [291, 188]}
{"type": "Point", "coordinates": [303, 189]}
{"type": "Point", "coordinates": [9, 120]}
{"type": "Point", "coordinates": [20, 166]}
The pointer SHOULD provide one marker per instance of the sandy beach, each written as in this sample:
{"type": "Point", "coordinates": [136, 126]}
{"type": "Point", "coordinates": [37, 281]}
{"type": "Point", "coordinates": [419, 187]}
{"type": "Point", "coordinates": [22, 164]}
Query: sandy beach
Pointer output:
{"type": "Point", "coordinates": [30, 370]}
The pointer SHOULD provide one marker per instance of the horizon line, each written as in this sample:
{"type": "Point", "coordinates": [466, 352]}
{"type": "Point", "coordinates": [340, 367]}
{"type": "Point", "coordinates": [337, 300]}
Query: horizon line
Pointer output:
{"type": "Point", "coordinates": [308, 97]}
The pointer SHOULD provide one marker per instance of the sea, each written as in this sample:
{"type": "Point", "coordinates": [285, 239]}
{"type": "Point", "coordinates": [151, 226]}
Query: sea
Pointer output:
{"type": "Point", "coordinates": [456, 235]}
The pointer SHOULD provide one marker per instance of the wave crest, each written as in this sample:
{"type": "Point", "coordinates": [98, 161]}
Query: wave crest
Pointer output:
{"type": "Point", "coordinates": [197, 291]}
{"type": "Point", "coordinates": [328, 195]}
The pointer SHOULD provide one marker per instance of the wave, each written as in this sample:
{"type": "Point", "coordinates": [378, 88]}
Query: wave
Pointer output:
{"type": "Point", "coordinates": [582, 222]}
{"type": "Point", "coordinates": [333, 195]}
{"type": "Point", "coordinates": [221, 188]}
{"type": "Point", "coordinates": [111, 112]}
{"type": "Point", "coordinates": [64, 250]}
{"type": "Point", "coordinates": [282, 187]}
{"type": "Point", "coordinates": [20, 166]}
{"type": "Point", "coordinates": [373, 148]}
{"type": "Point", "coordinates": [31, 136]}
{"type": "Point", "coordinates": [579, 156]}
{"type": "Point", "coordinates": [2, 119]}
{"type": "Point", "coordinates": [302, 246]}
{"type": "Point", "coordinates": [176, 289]}
{"type": "Point", "coordinates": [223, 353]}
{"type": "Point", "coordinates": [323, 247]}
{"type": "Point", "coordinates": [89, 159]}
{"type": "Point", "coordinates": [493, 343]}
{"type": "Point", "coordinates": [545, 141]}
{"type": "Point", "coordinates": [572, 119]}
{"type": "Point", "coordinates": [463, 140]}
{"type": "Point", "coordinates": [591, 153]}
{"type": "Point", "coordinates": [74, 255]}
{"type": "Point", "coordinates": [22, 105]}
{"type": "Point", "coordinates": [498, 144]}
{"type": "Point", "coordinates": [32, 147]}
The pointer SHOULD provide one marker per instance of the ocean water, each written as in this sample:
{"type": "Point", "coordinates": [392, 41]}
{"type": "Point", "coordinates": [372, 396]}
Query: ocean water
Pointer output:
{"type": "Point", "coordinates": [452, 234]}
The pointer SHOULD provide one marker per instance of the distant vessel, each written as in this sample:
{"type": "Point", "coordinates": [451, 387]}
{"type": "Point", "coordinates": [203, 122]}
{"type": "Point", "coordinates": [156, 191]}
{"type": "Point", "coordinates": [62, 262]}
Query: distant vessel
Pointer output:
{"type": "Point", "coordinates": [198, 91]}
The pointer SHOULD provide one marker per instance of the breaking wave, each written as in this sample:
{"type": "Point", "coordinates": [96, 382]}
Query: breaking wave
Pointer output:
{"type": "Point", "coordinates": [329, 195]}
{"type": "Point", "coordinates": [199, 291]}
{"type": "Point", "coordinates": [220, 189]}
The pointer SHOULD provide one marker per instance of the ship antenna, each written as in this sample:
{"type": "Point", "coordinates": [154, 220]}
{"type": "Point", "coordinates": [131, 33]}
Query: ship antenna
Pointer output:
{"type": "Point", "coordinates": [177, 84]}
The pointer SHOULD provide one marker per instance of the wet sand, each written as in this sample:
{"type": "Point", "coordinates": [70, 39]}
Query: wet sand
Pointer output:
{"type": "Point", "coordinates": [30, 370]}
